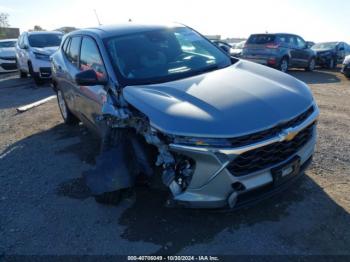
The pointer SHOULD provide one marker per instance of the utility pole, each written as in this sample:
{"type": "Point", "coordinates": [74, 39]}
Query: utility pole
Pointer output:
{"type": "Point", "coordinates": [98, 20]}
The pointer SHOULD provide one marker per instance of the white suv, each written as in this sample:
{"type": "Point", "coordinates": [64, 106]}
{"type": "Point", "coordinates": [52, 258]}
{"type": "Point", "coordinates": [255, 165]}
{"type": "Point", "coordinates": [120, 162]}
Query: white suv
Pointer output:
{"type": "Point", "coordinates": [33, 52]}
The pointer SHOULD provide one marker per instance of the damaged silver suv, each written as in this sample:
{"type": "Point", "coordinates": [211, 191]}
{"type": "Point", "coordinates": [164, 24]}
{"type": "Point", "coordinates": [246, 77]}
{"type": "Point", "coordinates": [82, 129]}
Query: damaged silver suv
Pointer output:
{"type": "Point", "coordinates": [223, 132]}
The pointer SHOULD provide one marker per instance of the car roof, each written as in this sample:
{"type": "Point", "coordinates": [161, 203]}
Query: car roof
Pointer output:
{"type": "Point", "coordinates": [7, 40]}
{"type": "Point", "coordinates": [44, 32]}
{"type": "Point", "coordinates": [276, 34]}
{"type": "Point", "coordinates": [106, 31]}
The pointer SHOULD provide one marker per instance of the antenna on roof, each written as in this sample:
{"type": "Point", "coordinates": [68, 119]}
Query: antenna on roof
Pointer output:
{"type": "Point", "coordinates": [98, 20]}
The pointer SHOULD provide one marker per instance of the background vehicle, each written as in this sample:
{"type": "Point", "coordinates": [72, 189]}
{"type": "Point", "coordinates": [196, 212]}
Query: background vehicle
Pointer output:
{"type": "Point", "coordinates": [346, 66]}
{"type": "Point", "coordinates": [223, 45]}
{"type": "Point", "coordinates": [8, 55]}
{"type": "Point", "coordinates": [329, 54]}
{"type": "Point", "coordinates": [33, 52]}
{"type": "Point", "coordinates": [183, 97]}
{"type": "Point", "coordinates": [281, 51]}
{"type": "Point", "coordinates": [237, 49]}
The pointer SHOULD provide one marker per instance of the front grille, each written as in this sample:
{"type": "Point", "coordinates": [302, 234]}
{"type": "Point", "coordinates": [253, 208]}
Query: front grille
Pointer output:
{"type": "Point", "coordinates": [270, 155]}
{"type": "Point", "coordinates": [9, 66]}
{"type": "Point", "coordinates": [266, 134]}
{"type": "Point", "coordinates": [8, 58]}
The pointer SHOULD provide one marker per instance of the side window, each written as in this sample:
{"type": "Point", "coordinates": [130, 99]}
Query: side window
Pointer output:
{"type": "Point", "coordinates": [65, 44]}
{"type": "Point", "coordinates": [90, 58]}
{"type": "Point", "coordinates": [20, 40]}
{"type": "Point", "coordinates": [300, 43]}
{"type": "Point", "coordinates": [73, 51]}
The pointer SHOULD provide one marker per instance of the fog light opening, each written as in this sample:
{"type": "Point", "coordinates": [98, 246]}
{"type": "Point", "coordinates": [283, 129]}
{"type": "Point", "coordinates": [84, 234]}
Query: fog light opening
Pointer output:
{"type": "Point", "coordinates": [238, 186]}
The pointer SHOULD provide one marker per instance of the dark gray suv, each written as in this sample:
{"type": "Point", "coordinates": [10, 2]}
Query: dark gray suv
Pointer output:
{"type": "Point", "coordinates": [222, 132]}
{"type": "Point", "coordinates": [281, 51]}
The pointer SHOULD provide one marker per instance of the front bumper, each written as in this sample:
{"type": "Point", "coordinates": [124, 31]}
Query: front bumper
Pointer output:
{"type": "Point", "coordinates": [8, 65]}
{"type": "Point", "coordinates": [213, 185]}
{"type": "Point", "coordinates": [322, 60]}
{"type": "Point", "coordinates": [41, 68]}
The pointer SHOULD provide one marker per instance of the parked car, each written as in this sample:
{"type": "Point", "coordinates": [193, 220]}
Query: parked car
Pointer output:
{"type": "Point", "coordinates": [223, 131]}
{"type": "Point", "coordinates": [33, 52]}
{"type": "Point", "coordinates": [236, 51]}
{"type": "Point", "coordinates": [7, 55]}
{"type": "Point", "coordinates": [280, 51]}
{"type": "Point", "coordinates": [223, 45]}
{"type": "Point", "coordinates": [346, 66]}
{"type": "Point", "coordinates": [329, 54]}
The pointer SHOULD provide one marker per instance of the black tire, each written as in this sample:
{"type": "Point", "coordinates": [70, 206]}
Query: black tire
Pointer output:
{"type": "Point", "coordinates": [22, 74]}
{"type": "Point", "coordinates": [311, 65]}
{"type": "Point", "coordinates": [67, 115]}
{"type": "Point", "coordinates": [38, 81]}
{"type": "Point", "coordinates": [109, 198]}
{"type": "Point", "coordinates": [284, 65]}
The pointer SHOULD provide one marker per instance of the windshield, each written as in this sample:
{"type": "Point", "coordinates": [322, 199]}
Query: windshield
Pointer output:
{"type": "Point", "coordinates": [7, 44]}
{"type": "Point", "coordinates": [163, 55]}
{"type": "Point", "coordinates": [330, 45]}
{"type": "Point", "coordinates": [45, 40]}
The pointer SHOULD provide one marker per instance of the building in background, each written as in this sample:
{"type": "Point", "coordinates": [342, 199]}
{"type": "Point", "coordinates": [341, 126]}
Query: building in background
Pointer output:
{"type": "Point", "coordinates": [8, 32]}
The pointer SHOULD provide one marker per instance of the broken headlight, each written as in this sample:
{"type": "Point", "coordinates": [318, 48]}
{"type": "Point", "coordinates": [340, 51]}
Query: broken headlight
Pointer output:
{"type": "Point", "coordinates": [196, 141]}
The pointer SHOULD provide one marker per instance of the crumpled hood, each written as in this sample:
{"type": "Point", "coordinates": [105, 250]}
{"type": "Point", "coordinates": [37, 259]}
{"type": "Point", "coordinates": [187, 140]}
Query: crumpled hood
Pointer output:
{"type": "Point", "coordinates": [7, 52]}
{"type": "Point", "coordinates": [46, 50]}
{"type": "Point", "coordinates": [237, 100]}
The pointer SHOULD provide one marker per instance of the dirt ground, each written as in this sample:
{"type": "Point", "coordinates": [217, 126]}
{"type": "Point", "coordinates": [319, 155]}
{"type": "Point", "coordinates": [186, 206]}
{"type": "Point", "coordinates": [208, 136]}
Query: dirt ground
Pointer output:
{"type": "Point", "coordinates": [46, 209]}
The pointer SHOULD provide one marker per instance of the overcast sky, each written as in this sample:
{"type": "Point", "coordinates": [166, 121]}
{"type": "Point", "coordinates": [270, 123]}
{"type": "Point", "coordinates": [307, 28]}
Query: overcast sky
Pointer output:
{"type": "Point", "coordinates": [315, 20]}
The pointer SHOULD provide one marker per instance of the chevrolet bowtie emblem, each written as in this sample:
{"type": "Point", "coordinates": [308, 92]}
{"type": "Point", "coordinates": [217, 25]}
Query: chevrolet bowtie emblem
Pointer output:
{"type": "Point", "coordinates": [289, 134]}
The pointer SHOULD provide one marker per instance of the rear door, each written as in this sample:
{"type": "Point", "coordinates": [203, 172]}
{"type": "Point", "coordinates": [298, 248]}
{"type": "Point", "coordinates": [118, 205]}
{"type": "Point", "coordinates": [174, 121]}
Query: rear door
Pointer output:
{"type": "Point", "coordinates": [70, 88]}
{"type": "Point", "coordinates": [297, 52]}
{"type": "Point", "coordinates": [303, 51]}
{"type": "Point", "coordinates": [92, 97]}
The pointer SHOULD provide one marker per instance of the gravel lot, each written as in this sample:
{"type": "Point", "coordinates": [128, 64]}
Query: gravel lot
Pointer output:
{"type": "Point", "coordinates": [45, 208]}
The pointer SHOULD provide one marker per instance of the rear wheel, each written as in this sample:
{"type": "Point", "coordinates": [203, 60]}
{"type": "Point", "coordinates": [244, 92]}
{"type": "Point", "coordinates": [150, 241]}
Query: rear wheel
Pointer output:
{"type": "Point", "coordinates": [22, 74]}
{"type": "Point", "coordinates": [311, 65]}
{"type": "Point", "coordinates": [284, 65]}
{"type": "Point", "coordinates": [67, 115]}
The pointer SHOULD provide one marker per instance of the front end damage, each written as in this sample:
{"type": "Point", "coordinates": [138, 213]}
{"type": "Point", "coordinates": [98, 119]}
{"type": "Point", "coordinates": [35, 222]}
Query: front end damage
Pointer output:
{"type": "Point", "coordinates": [196, 171]}
{"type": "Point", "coordinates": [125, 153]}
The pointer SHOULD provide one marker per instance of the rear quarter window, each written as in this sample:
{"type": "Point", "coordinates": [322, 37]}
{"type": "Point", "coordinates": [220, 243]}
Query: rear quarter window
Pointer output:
{"type": "Point", "coordinates": [73, 52]}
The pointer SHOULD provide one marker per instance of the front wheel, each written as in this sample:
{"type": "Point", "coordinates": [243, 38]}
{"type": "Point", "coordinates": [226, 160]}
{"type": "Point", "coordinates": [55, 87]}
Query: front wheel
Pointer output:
{"type": "Point", "coordinates": [284, 64]}
{"type": "Point", "coordinates": [311, 66]}
{"type": "Point", "coordinates": [331, 63]}
{"type": "Point", "coordinates": [67, 115]}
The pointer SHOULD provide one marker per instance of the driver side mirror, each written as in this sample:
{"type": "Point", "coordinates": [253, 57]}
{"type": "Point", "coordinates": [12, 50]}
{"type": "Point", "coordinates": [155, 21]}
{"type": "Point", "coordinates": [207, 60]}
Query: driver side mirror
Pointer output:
{"type": "Point", "coordinates": [88, 78]}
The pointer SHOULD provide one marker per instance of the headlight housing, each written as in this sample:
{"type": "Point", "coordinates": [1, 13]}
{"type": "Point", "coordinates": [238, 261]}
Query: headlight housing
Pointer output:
{"type": "Point", "coordinates": [41, 56]}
